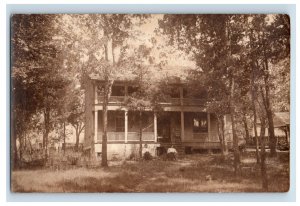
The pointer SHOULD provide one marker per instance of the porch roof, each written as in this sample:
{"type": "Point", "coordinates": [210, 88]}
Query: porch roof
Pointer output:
{"type": "Point", "coordinates": [281, 119]}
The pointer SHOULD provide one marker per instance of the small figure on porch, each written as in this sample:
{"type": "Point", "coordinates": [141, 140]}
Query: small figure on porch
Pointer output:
{"type": "Point", "coordinates": [146, 153]}
{"type": "Point", "coordinates": [171, 153]}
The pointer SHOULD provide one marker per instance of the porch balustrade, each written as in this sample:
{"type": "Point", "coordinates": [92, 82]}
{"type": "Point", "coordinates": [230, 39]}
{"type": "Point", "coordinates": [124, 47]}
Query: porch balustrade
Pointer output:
{"type": "Point", "coordinates": [169, 101]}
{"type": "Point", "coordinates": [131, 136]}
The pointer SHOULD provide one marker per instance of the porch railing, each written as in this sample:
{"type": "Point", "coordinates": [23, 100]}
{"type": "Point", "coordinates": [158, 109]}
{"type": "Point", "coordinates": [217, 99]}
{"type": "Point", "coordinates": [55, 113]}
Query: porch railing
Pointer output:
{"type": "Point", "coordinates": [169, 101]}
{"type": "Point", "coordinates": [112, 136]}
{"type": "Point", "coordinates": [113, 99]}
{"type": "Point", "coordinates": [131, 136]}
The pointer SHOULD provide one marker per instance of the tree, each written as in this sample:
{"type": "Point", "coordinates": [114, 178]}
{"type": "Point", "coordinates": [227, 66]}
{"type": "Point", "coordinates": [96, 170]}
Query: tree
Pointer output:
{"type": "Point", "coordinates": [213, 41]}
{"type": "Point", "coordinates": [76, 113]}
{"type": "Point", "coordinates": [272, 45]}
{"type": "Point", "coordinates": [95, 51]}
{"type": "Point", "coordinates": [36, 70]}
{"type": "Point", "coordinates": [220, 46]}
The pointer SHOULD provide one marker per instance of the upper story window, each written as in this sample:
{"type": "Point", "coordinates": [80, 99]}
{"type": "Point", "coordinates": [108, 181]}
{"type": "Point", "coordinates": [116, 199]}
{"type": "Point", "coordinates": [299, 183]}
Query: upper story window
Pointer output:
{"type": "Point", "coordinates": [118, 90]}
{"type": "Point", "coordinates": [175, 93]}
{"type": "Point", "coordinates": [132, 90]}
{"type": "Point", "coordinates": [185, 93]}
{"type": "Point", "coordinates": [201, 94]}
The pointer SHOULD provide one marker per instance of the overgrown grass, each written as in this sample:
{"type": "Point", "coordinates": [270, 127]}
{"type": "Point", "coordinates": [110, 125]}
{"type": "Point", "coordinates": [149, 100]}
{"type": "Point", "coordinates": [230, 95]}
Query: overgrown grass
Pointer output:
{"type": "Point", "coordinates": [193, 173]}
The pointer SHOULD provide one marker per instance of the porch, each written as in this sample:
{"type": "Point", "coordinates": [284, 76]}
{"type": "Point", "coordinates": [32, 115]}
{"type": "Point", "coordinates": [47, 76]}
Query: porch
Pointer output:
{"type": "Point", "coordinates": [181, 129]}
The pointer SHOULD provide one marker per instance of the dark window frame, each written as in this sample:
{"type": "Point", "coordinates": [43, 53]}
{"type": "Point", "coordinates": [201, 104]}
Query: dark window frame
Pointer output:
{"type": "Point", "coordinates": [120, 93]}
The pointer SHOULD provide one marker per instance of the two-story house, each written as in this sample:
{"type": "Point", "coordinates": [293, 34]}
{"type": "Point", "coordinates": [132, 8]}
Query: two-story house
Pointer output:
{"type": "Point", "coordinates": [183, 122]}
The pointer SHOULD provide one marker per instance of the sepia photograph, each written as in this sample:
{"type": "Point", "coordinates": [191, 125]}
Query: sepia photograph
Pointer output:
{"type": "Point", "coordinates": [149, 103]}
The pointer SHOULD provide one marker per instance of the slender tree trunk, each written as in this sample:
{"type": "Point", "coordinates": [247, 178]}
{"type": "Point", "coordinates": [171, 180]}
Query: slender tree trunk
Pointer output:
{"type": "Point", "coordinates": [255, 130]}
{"type": "Point", "coordinates": [246, 127]}
{"type": "Point", "coordinates": [46, 133]}
{"type": "Point", "coordinates": [234, 136]}
{"type": "Point", "coordinates": [104, 136]}
{"type": "Point", "coordinates": [272, 138]}
{"type": "Point", "coordinates": [107, 94]}
{"type": "Point", "coordinates": [263, 156]}
{"type": "Point", "coordinates": [77, 139]}
{"type": "Point", "coordinates": [236, 151]}
{"type": "Point", "coordinates": [140, 135]}
{"type": "Point", "coordinates": [253, 97]}
{"type": "Point", "coordinates": [221, 138]}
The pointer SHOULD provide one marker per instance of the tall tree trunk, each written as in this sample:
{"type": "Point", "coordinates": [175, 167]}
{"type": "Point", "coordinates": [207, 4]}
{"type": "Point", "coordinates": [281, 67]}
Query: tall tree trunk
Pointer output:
{"type": "Point", "coordinates": [253, 97]}
{"type": "Point", "coordinates": [140, 135]}
{"type": "Point", "coordinates": [255, 129]}
{"type": "Point", "coordinates": [104, 136]}
{"type": "Point", "coordinates": [236, 151]}
{"type": "Point", "coordinates": [272, 138]}
{"type": "Point", "coordinates": [107, 93]}
{"type": "Point", "coordinates": [263, 156]}
{"type": "Point", "coordinates": [234, 136]}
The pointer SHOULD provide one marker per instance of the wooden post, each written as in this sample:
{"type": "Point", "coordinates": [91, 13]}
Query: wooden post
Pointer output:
{"type": "Point", "coordinates": [155, 127]}
{"type": "Point", "coordinates": [126, 126]}
{"type": "Point", "coordinates": [182, 125]}
{"type": "Point", "coordinates": [96, 126]}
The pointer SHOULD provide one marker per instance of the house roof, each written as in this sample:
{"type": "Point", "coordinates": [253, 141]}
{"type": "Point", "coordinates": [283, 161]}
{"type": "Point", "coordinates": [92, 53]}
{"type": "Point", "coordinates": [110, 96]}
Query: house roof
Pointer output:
{"type": "Point", "coordinates": [281, 119]}
{"type": "Point", "coordinates": [174, 74]}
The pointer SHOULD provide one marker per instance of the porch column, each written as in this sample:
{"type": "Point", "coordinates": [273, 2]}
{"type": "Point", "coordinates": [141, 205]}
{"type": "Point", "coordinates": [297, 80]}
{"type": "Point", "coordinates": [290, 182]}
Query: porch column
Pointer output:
{"type": "Point", "coordinates": [155, 127]}
{"type": "Point", "coordinates": [182, 125]}
{"type": "Point", "coordinates": [126, 126]}
{"type": "Point", "coordinates": [96, 126]}
{"type": "Point", "coordinates": [208, 126]}
{"type": "Point", "coordinates": [96, 94]}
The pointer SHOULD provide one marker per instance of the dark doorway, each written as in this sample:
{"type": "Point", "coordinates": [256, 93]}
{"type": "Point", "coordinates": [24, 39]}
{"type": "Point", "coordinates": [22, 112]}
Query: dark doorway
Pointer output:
{"type": "Point", "coordinates": [164, 128]}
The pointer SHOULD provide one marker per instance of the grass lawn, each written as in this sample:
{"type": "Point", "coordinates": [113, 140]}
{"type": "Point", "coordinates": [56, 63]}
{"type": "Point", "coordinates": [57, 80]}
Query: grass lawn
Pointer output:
{"type": "Point", "coordinates": [192, 173]}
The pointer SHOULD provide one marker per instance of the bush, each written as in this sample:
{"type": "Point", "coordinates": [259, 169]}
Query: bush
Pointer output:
{"type": "Point", "coordinates": [147, 156]}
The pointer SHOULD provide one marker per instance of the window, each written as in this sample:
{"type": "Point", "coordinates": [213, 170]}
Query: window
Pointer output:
{"type": "Point", "coordinates": [118, 91]}
{"type": "Point", "coordinates": [132, 90]}
{"type": "Point", "coordinates": [200, 124]}
{"type": "Point", "coordinates": [175, 93]}
{"type": "Point", "coordinates": [185, 93]}
{"type": "Point", "coordinates": [201, 94]}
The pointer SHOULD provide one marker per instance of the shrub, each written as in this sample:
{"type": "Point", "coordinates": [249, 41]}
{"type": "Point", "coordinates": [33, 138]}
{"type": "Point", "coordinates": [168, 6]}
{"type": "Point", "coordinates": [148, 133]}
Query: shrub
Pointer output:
{"type": "Point", "coordinates": [147, 156]}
